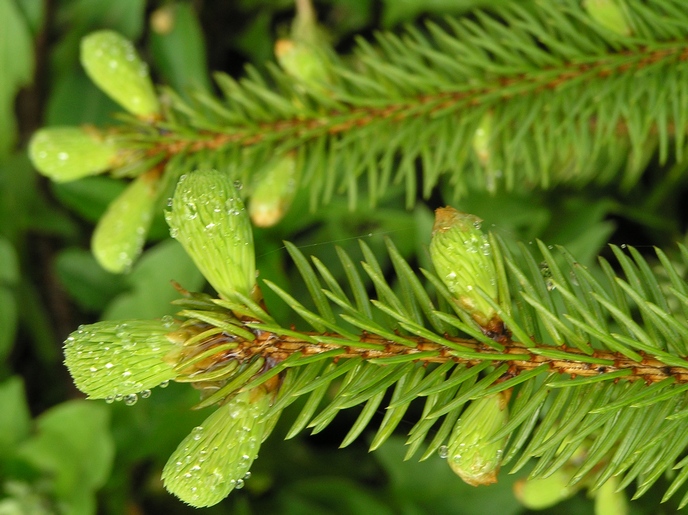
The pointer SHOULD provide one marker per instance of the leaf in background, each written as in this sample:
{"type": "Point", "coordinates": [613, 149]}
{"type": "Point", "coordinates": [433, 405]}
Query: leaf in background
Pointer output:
{"type": "Point", "coordinates": [80, 17]}
{"type": "Point", "coordinates": [399, 11]}
{"type": "Point", "coordinates": [8, 321]}
{"type": "Point", "coordinates": [73, 98]}
{"type": "Point", "coordinates": [432, 487]}
{"type": "Point", "coordinates": [9, 275]}
{"type": "Point", "coordinates": [34, 14]}
{"type": "Point", "coordinates": [87, 283]}
{"type": "Point", "coordinates": [333, 495]}
{"type": "Point", "coordinates": [90, 196]}
{"type": "Point", "coordinates": [348, 16]}
{"type": "Point", "coordinates": [178, 47]}
{"type": "Point", "coordinates": [9, 264]}
{"type": "Point", "coordinates": [73, 447]}
{"type": "Point", "coordinates": [14, 428]}
{"type": "Point", "coordinates": [151, 290]}
{"type": "Point", "coordinates": [579, 224]}
{"type": "Point", "coordinates": [16, 63]}
{"type": "Point", "coordinates": [256, 40]}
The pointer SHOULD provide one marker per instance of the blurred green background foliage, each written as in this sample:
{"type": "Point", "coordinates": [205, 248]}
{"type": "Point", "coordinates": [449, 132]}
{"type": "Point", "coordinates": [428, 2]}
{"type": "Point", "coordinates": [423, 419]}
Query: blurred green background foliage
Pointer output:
{"type": "Point", "coordinates": [62, 454]}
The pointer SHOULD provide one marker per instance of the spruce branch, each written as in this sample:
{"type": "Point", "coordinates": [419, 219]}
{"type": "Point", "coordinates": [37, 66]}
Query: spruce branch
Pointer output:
{"type": "Point", "coordinates": [585, 367]}
{"type": "Point", "coordinates": [583, 372]}
{"type": "Point", "coordinates": [545, 63]}
{"type": "Point", "coordinates": [568, 100]}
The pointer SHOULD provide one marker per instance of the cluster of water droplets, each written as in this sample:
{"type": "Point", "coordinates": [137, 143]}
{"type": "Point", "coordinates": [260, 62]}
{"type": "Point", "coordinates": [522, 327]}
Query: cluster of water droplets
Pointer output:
{"type": "Point", "coordinates": [477, 243]}
{"type": "Point", "coordinates": [215, 457]}
{"type": "Point", "coordinates": [187, 209]}
{"type": "Point", "coordinates": [118, 51]}
{"type": "Point", "coordinates": [117, 361]}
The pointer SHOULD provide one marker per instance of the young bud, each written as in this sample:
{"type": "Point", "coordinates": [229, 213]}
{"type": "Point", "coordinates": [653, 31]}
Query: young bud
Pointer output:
{"type": "Point", "coordinates": [114, 359]}
{"type": "Point", "coordinates": [462, 257]}
{"type": "Point", "coordinates": [610, 14]}
{"type": "Point", "coordinates": [541, 493]}
{"type": "Point", "coordinates": [215, 457]}
{"type": "Point", "coordinates": [303, 61]}
{"type": "Point", "coordinates": [112, 63]}
{"type": "Point", "coordinates": [609, 500]}
{"type": "Point", "coordinates": [70, 153]}
{"type": "Point", "coordinates": [121, 232]}
{"type": "Point", "coordinates": [209, 219]}
{"type": "Point", "coordinates": [481, 139]}
{"type": "Point", "coordinates": [471, 453]}
{"type": "Point", "coordinates": [274, 192]}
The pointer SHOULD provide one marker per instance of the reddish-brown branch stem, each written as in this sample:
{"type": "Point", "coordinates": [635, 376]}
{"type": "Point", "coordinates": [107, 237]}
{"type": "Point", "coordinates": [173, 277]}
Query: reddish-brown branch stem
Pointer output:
{"type": "Point", "coordinates": [327, 123]}
{"type": "Point", "coordinates": [276, 348]}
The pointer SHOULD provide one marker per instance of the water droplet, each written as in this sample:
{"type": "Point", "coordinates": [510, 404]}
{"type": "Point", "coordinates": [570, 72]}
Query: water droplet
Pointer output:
{"type": "Point", "coordinates": [247, 475]}
{"type": "Point", "coordinates": [110, 399]}
{"type": "Point", "coordinates": [145, 394]}
{"type": "Point", "coordinates": [623, 246]}
{"type": "Point", "coordinates": [545, 270]}
{"type": "Point", "coordinates": [131, 399]}
{"type": "Point", "coordinates": [238, 185]}
{"type": "Point", "coordinates": [164, 384]}
{"type": "Point", "coordinates": [443, 452]}
{"type": "Point", "coordinates": [197, 432]}
{"type": "Point", "coordinates": [239, 484]}
{"type": "Point", "coordinates": [191, 210]}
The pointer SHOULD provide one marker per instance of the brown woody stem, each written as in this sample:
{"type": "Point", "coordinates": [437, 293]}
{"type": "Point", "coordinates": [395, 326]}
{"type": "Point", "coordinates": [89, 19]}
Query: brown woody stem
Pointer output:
{"type": "Point", "coordinates": [275, 348]}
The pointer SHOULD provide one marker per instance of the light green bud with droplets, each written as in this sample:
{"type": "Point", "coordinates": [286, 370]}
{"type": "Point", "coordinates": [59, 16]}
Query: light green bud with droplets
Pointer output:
{"type": "Point", "coordinates": [112, 63]}
{"type": "Point", "coordinates": [209, 219]}
{"type": "Point", "coordinates": [471, 453]}
{"type": "Point", "coordinates": [462, 257]}
{"type": "Point", "coordinates": [274, 192]}
{"type": "Point", "coordinates": [121, 232]}
{"type": "Point", "coordinates": [215, 457]}
{"type": "Point", "coordinates": [70, 153]}
{"type": "Point", "coordinates": [610, 14]}
{"type": "Point", "coordinates": [112, 359]}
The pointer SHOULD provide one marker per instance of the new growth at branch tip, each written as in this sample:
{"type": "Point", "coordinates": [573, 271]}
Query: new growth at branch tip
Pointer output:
{"type": "Point", "coordinates": [122, 360]}
{"type": "Point", "coordinates": [71, 153]}
{"type": "Point", "coordinates": [462, 256]}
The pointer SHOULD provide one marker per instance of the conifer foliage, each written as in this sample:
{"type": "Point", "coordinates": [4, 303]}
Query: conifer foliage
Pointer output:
{"type": "Point", "coordinates": [516, 354]}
